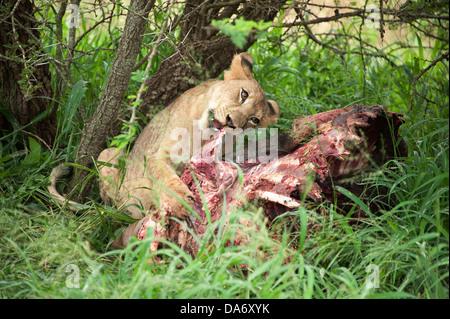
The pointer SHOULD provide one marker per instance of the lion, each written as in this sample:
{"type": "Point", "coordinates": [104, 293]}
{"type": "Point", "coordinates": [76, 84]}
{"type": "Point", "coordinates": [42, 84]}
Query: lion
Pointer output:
{"type": "Point", "coordinates": [151, 174]}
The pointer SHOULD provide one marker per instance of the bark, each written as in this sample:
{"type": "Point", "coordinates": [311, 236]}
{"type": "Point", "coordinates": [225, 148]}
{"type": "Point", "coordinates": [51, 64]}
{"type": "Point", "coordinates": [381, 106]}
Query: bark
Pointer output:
{"type": "Point", "coordinates": [25, 78]}
{"type": "Point", "coordinates": [93, 138]}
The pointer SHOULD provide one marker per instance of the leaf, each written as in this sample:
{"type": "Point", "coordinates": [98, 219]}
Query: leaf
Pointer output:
{"type": "Point", "coordinates": [240, 29]}
{"type": "Point", "coordinates": [354, 198]}
{"type": "Point", "coordinates": [421, 56]}
{"type": "Point", "coordinates": [35, 152]}
{"type": "Point", "coordinates": [303, 227]}
{"type": "Point", "coordinates": [71, 107]}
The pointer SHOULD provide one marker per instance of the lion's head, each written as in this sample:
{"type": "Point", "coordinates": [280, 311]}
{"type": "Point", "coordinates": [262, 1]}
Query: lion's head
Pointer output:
{"type": "Point", "coordinates": [240, 102]}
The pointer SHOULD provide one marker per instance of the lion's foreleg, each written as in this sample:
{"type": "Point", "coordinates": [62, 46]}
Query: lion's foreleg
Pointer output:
{"type": "Point", "coordinates": [109, 174]}
{"type": "Point", "coordinates": [173, 190]}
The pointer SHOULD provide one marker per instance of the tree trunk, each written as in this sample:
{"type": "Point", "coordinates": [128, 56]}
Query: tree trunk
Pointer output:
{"type": "Point", "coordinates": [25, 78]}
{"type": "Point", "coordinates": [93, 138]}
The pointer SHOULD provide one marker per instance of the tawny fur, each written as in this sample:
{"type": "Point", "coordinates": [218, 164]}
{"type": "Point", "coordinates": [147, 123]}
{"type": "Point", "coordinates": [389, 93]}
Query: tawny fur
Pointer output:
{"type": "Point", "coordinates": [150, 172]}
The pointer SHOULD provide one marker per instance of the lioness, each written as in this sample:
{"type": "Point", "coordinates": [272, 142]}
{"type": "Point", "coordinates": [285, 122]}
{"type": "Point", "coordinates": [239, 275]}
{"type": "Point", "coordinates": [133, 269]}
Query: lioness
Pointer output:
{"type": "Point", "coordinates": [236, 102]}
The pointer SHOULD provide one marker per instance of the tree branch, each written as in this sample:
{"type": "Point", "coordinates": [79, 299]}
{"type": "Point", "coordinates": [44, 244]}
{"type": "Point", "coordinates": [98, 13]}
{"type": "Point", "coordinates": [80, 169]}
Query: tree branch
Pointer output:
{"type": "Point", "coordinates": [356, 13]}
{"type": "Point", "coordinates": [417, 77]}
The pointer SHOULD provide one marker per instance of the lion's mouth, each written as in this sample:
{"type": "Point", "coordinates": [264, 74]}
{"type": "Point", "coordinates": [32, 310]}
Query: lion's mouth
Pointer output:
{"type": "Point", "coordinates": [217, 125]}
{"type": "Point", "coordinates": [213, 122]}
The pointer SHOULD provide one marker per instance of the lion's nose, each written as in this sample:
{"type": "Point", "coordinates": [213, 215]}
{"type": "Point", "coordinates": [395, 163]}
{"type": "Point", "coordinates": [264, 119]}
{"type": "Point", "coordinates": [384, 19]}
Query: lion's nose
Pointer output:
{"type": "Point", "coordinates": [230, 122]}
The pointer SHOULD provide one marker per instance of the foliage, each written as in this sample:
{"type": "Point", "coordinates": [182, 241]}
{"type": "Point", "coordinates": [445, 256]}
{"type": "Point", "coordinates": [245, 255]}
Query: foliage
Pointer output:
{"type": "Point", "coordinates": [405, 240]}
{"type": "Point", "coordinates": [240, 29]}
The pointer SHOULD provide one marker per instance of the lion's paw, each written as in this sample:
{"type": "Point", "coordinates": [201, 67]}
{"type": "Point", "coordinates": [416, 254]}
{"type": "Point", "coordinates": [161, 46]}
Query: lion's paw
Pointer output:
{"type": "Point", "coordinates": [175, 206]}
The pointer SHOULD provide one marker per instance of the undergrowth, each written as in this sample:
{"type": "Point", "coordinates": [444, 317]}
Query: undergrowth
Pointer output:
{"type": "Point", "coordinates": [399, 251]}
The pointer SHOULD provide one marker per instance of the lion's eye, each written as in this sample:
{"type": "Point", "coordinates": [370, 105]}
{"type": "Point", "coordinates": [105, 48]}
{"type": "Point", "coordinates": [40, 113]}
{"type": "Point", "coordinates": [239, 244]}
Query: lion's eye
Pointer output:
{"type": "Point", "coordinates": [254, 120]}
{"type": "Point", "coordinates": [244, 95]}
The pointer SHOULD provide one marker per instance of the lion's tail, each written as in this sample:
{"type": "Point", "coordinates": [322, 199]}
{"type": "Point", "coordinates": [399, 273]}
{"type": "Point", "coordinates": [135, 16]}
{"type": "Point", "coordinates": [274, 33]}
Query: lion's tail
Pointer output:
{"type": "Point", "coordinates": [61, 171]}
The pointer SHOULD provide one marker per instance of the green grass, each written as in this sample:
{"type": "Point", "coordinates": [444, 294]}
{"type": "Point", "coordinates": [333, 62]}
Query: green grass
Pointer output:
{"type": "Point", "coordinates": [404, 241]}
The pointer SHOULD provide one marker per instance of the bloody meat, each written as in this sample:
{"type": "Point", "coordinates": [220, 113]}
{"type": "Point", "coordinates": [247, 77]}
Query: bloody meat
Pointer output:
{"type": "Point", "coordinates": [318, 152]}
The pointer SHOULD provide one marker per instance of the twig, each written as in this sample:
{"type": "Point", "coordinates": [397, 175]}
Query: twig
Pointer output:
{"type": "Point", "coordinates": [72, 36]}
{"type": "Point", "coordinates": [12, 11]}
{"type": "Point", "coordinates": [63, 72]}
{"type": "Point", "coordinates": [417, 77]}
{"type": "Point", "coordinates": [223, 4]}
{"type": "Point", "coordinates": [326, 6]}
{"type": "Point", "coordinates": [403, 16]}
{"type": "Point", "coordinates": [52, 60]}
{"type": "Point", "coordinates": [362, 52]}
{"type": "Point", "coordinates": [356, 13]}
{"type": "Point", "coordinates": [381, 21]}
{"type": "Point", "coordinates": [313, 37]}
{"type": "Point", "coordinates": [38, 138]}
{"type": "Point", "coordinates": [94, 26]}
{"type": "Point", "coordinates": [149, 63]}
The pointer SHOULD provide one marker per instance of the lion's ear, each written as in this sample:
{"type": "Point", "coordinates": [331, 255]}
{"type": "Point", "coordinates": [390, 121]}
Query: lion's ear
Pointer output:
{"type": "Point", "coordinates": [271, 116]}
{"type": "Point", "coordinates": [241, 67]}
